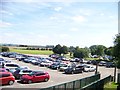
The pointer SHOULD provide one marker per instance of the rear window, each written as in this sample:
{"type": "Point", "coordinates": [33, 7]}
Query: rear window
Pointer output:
{"type": "Point", "coordinates": [4, 75]}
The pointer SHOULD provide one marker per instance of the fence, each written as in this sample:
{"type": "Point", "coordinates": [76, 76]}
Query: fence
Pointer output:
{"type": "Point", "coordinates": [97, 85]}
{"type": "Point", "coordinates": [74, 85]}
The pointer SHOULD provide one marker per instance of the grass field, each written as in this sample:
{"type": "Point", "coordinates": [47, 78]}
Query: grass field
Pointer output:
{"type": "Point", "coordinates": [111, 86]}
{"type": "Point", "coordinates": [37, 52]}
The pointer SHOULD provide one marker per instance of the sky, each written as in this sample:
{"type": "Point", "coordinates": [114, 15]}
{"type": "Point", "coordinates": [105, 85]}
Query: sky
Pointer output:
{"type": "Point", "coordinates": [70, 23]}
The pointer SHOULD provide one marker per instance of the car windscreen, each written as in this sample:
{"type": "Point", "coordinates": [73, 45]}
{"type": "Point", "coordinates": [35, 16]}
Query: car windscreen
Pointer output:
{"type": "Point", "coordinates": [11, 65]}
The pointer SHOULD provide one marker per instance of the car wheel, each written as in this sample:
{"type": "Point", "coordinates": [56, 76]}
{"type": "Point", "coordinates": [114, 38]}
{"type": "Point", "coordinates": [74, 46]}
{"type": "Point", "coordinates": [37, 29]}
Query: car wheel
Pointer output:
{"type": "Point", "coordinates": [30, 81]}
{"type": "Point", "coordinates": [11, 82]}
{"type": "Point", "coordinates": [17, 77]}
{"type": "Point", "coordinates": [20, 77]}
{"type": "Point", "coordinates": [46, 79]}
{"type": "Point", "coordinates": [72, 72]}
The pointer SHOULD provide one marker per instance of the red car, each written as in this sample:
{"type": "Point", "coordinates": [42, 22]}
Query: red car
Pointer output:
{"type": "Point", "coordinates": [3, 70]}
{"type": "Point", "coordinates": [6, 78]}
{"type": "Point", "coordinates": [35, 76]}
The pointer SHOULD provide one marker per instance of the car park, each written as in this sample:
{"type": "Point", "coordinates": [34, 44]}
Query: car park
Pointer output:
{"type": "Point", "coordinates": [6, 78]}
{"type": "Point", "coordinates": [35, 76]}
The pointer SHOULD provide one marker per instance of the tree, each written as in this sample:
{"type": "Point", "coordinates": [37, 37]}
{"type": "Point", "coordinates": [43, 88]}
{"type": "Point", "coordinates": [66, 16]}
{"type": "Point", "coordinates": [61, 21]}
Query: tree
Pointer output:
{"type": "Point", "coordinates": [97, 50]}
{"type": "Point", "coordinates": [71, 50]}
{"type": "Point", "coordinates": [5, 49]}
{"type": "Point", "coordinates": [116, 55]}
{"type": "Point", "coordinates": [57, 50]}
{"type": "Point", "coordinates": [108, 51]}
{"type": "Point", "coordinates": [116, 49]}
{"type": "Point", "coordinates": [64, 50]}
{"type": "Point", "coordinates": [87, 51]}
{"type": "Point", "coordinates": [81, 53]}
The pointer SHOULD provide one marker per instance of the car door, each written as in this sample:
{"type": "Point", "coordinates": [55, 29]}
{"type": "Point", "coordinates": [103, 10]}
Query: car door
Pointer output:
{"type": "Point", "coordinates": [4, 78]}
{"type": "Point", "coordinates": [39, 77]}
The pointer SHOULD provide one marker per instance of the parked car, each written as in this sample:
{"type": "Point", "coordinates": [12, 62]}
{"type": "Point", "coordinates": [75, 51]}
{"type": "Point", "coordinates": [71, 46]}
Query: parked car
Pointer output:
{"type": "Point", "coordinates": [11, 67]}
{"type": "Point", "coordinates": [35, 76]}
{"type": "Point", "coordinates": [3, 70]}
{"type": "Point", "coordinates": [55, 65]}
{"type": "Point", "coordinates": [88, 62]}
{"type": "Point", "coordinates": [35, 62]}
{"type": "Point", "coordinates": [2, 62]}
{"type": "Point", "coordinates": [102, 63]}
{"type": "Point", "coordinates": [65, 66]}
{"type": "Point", "coordinates": [94, 62]}
{"type": "Point", "coordinates": [19, 72]}
{"type": "Point", "coordinates": [110, 64]}
{"type": "Point", "coordinates": [6, 78]}
{"type": "Point", "coordinates": [46, 63]}
{"type": "Point", "coordinates": [12, 70]}
{"type": "Point", "coordinates": [88, 68]}
{"type": "Point", "coordinates": [26, 60]}
{"type": "Point", "coordinates": [72, 70]}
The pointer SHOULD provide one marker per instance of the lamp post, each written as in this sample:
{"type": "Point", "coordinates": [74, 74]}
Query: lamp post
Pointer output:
{"type": "Point", "coordinates": [97, 63]}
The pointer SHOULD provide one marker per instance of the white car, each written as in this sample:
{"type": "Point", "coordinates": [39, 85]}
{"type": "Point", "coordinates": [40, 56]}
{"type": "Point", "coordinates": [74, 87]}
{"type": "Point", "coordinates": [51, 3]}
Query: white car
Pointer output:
{"type": "Point", "coordinates": [11, 66]}
{"type": "Point", "coordinates": [65, 66]}
{"type": "Point", "coordinates": [89, 68]}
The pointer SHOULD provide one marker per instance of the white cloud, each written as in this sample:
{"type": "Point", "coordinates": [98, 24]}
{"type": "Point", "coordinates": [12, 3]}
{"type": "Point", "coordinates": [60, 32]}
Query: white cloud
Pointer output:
{"type": "Point", "coordinates": [57, 9]}
{"type": "Point", "coordinates": [79, 18]}
{"type": "Point", "coordinates": [63, 35]}
{"type": "Point", "coordinates": [111, 16]}
{"type": "Point", "coordinates": [53, 18]}
{"type": "Point", "coordinates": [102, 14]}
{"type": "Point", "coordinates": [5, 24]}
{"type": "Point", "coordinates": [74, 29]}
{"type": "Point", "coordinates": [62, 0]}
{"type": "Point", "coordinates": [6, 12]}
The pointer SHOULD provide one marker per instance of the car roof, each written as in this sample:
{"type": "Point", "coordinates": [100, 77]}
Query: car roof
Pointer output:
{"type": "Point", "coordinates": [38, 71]}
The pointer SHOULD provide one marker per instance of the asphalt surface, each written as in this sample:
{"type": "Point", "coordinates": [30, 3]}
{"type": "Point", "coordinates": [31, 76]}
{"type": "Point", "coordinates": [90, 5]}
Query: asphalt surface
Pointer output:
{"type": "Point", "coordinates": [56, 77]}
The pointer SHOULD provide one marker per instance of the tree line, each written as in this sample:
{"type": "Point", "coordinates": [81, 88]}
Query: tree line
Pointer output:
{"type": "Point", "coordinates": [78, 52]}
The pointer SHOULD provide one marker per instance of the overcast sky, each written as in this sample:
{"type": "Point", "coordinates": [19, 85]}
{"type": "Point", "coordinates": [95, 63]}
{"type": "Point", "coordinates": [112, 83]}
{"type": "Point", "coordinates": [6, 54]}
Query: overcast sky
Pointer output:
{"type": "Point", "coordinates": [36, 22]}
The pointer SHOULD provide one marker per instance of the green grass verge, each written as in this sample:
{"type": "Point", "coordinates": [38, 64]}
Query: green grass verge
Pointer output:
{"type": "Point", "coordinates": [91, 58]}
{"type": "Point", "coordinates": [111, 86]}
{"type": "Point", "coordinates": [37, 52]}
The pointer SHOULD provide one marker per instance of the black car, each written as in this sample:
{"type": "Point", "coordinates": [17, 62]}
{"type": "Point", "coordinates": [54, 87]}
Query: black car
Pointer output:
{"type": "Point", "coordinates": [26, 60]}
{"type": "Point", "coordinates": [55, 65]}
{"type": "Point", "coordinates": [73, 70]}
{"type": "Point", "coordinates": [110, 64]}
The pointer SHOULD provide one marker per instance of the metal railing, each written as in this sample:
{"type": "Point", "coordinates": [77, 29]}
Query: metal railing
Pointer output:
{"type": "Point", "coordinates": [75, 85]}
{"type": "Point", "coordinates": [97, 85]}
